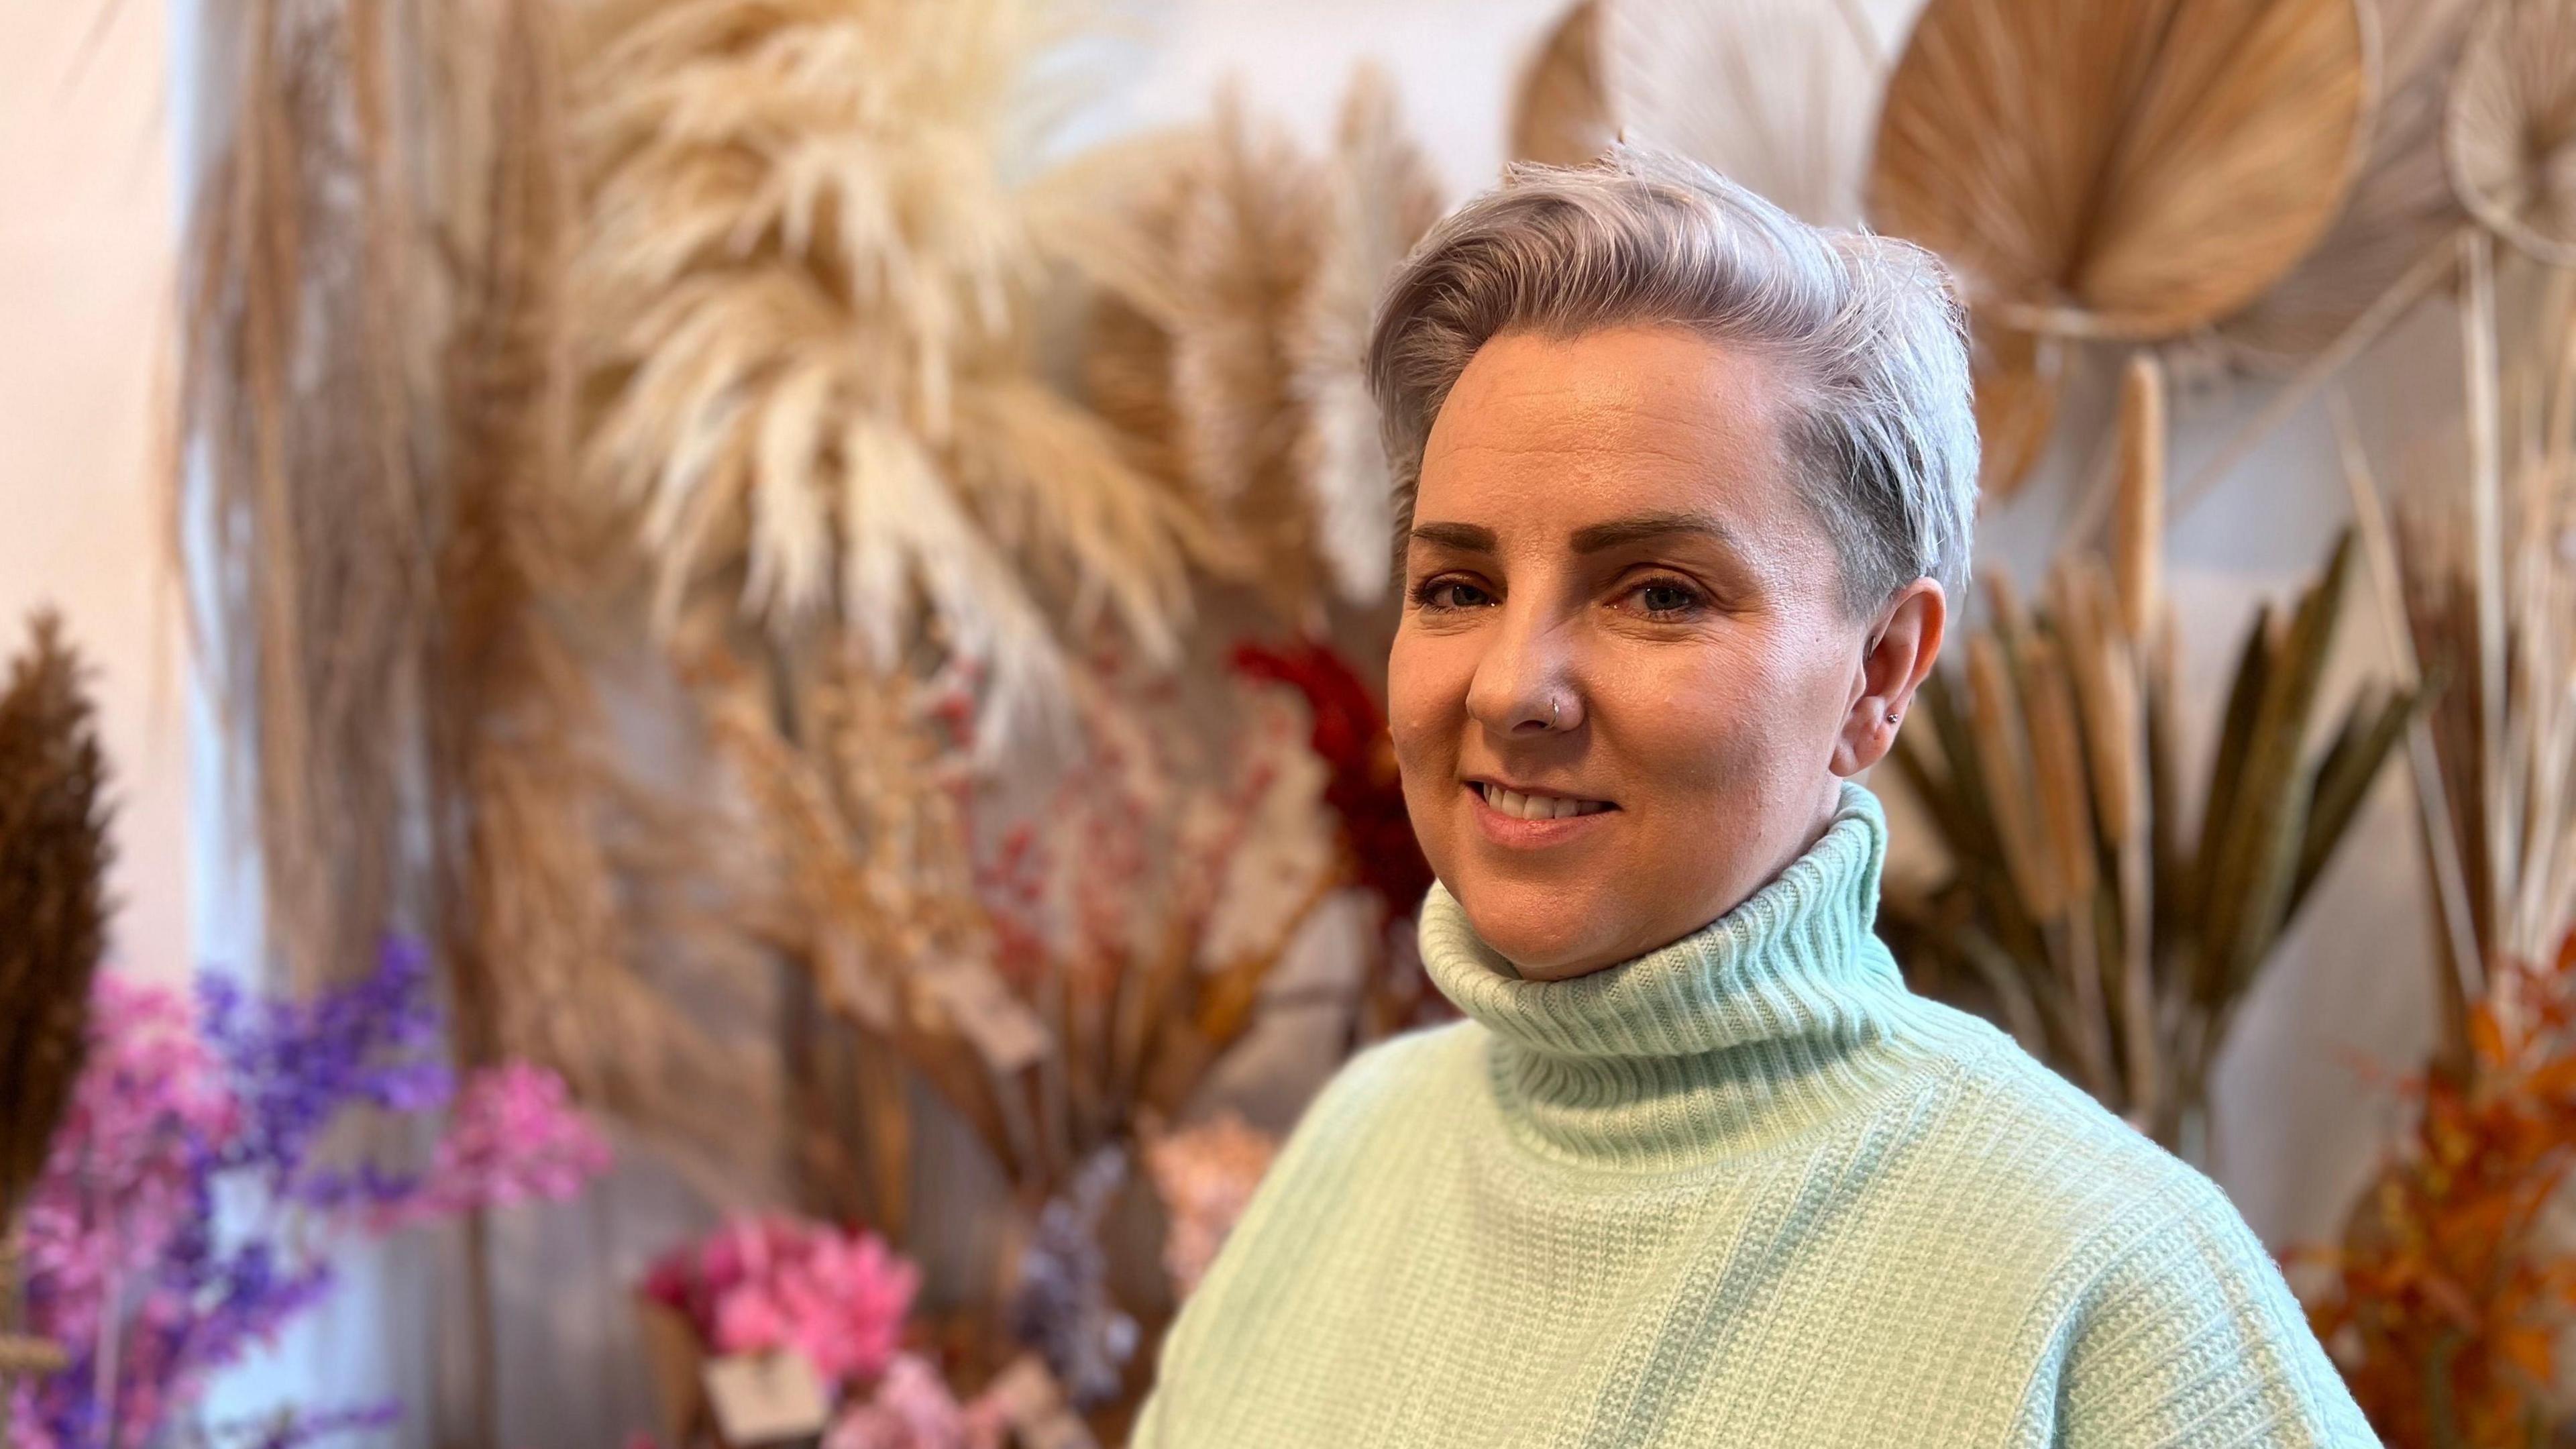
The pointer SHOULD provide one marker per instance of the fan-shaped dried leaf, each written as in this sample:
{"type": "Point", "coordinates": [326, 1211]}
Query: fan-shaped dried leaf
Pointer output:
{"type": "Point", "coordinates": [1561, 113]}
{"type": "Point", "coordinates": [2127, 167]}
{"type": "Point", "coordinates": [1780, 95]}
{"type": "Point", "coordinates": [2401, 205]}
{"type": "Point", "coordinates": [2018, 379]}
{"type": "Point", "coordinates": [2512, 130]}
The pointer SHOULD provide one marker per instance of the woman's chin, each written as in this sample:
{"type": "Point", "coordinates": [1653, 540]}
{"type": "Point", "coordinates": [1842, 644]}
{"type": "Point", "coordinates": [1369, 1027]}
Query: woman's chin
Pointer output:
{"type": "Point", "coordinates": [1546, 938]}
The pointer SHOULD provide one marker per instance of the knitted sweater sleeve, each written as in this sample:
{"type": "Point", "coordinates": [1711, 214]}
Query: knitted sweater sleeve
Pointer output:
{"type": "Point", "coordinates": [2191, 1340]}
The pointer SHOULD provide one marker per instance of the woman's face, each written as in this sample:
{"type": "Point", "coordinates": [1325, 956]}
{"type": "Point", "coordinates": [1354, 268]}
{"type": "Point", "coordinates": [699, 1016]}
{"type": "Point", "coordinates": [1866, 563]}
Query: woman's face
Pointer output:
{"type": "Point", "coordinates": [1626, 681]}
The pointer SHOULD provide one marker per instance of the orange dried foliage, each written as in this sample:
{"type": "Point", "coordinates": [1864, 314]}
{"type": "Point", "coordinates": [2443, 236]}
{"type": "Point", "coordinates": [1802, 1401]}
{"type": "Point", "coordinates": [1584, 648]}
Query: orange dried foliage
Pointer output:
{"type": "Point", "coordinates": [2448, 1293]}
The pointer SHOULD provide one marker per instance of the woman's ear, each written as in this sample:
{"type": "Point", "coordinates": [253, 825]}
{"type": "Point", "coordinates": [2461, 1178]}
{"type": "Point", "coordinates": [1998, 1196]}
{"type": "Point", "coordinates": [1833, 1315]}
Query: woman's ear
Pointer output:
{"type": "Point", "coordinates": [1897, 660]}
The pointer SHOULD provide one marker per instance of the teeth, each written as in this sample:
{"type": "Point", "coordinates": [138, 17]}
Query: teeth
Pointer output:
{"type": "Point", "coordinates": [1537, 807]}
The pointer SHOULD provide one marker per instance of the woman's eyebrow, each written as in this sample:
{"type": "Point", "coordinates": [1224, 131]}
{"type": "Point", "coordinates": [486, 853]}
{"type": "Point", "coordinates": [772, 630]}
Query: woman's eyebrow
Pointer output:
{"type": "Point", "coordinates": [1464, 537]}
{"type": "Point", "coordinates": [1644, 526]}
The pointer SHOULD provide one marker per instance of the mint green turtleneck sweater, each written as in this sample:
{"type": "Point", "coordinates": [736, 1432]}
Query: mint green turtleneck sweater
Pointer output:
{"type": "Point", "coordinates": [1744, 1190]}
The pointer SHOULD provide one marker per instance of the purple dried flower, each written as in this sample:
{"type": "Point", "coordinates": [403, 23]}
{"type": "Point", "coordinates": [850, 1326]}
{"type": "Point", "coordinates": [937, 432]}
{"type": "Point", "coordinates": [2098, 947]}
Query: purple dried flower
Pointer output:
{"type": "Point", "coordinates": [1062, 1307]}
{"type": "Point", "coordinates": [126, 1265]}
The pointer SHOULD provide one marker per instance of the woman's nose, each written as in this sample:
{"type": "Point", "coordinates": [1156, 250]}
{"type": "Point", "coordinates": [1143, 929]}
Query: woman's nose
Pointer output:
{"type": "Point", "coordinates": [1524, 681]}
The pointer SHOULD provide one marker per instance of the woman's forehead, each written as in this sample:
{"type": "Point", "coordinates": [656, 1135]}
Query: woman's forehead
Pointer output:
{"type": "Point", "coordinates": [1567, 435]}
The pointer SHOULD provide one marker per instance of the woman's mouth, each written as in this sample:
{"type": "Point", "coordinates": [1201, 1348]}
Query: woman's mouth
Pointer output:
{"type": "Point", "coordinates": [1532, 805]}
{"type": "Point", "coordinates": [1532, 819]}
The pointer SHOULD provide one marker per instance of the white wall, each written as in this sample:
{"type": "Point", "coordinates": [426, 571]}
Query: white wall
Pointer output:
{"type": "Point", "coordinates": [85, 251]}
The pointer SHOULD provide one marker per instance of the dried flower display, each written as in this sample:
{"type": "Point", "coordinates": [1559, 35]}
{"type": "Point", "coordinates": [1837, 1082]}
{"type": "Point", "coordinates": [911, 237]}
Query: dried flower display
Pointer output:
{"type": "Point", "coordinates": [2113, 944]}
{"type": "Point", "coordinates": [2478, 593]}
{"type": "Point", "coordinates": [767, 1283]}
{"type": "Point", "coordinates": [239, 1098]}
{"type": "Point", "coordinates": [2511, 136]}
{"type": "Point", "coordinates": [1349, 734]}
{"type": "Point", "coordinates": [54, 854]}
{"type": "Point", "coordinates": [1780, 95]}
{"type": "Point", "coordinates": [715, 341]}
{"type": "Point", "coordinates": [2401, 209]}
{"type": "Point", "coordinates": [839, 1300]}
{"type": "Point", "coordinates": [2449, 1291]}
{"type": "Point", "coordinates": [2126, 170]}
{"type": "Point", "coordinates": [384, 547]}
{"type": "Point", "coordinates": [1560, 113]}
{"type": "Point", "coordinates": [1205, 1176]}
{"type": "Point", "coordinates": [1237, 283]}
{"type": "Point", "coordinates": [806, 271]}
{"type": "Point", "coordinates": [300, 464]}
{"type": "Point", "coordinates": [1047, 972]}
{"type": "Point", "coordinates": [544, 831]}
{"type": "Point", "coordinates": [2451, 1288]}
{"type": "Point", "coordinates": [914, 1408]}
{"type": "Point", "coordinates": [1060, 1302]}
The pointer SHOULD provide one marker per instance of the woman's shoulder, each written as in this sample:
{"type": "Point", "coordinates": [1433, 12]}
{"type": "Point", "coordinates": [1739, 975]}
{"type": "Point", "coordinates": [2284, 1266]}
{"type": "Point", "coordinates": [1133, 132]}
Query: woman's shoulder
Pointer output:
{"type": "Point", "coordinates": [1398, 1069]}
{"type": "Point", "coordinates": [2079, 1175]}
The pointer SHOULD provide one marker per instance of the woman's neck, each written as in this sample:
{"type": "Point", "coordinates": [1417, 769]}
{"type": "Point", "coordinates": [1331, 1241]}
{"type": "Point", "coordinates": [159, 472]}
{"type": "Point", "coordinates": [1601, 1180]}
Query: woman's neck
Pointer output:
{"type": "Point", "coordinates": [1784, 1009]}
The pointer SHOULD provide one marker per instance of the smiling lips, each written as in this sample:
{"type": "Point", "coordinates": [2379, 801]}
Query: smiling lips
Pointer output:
{"type": "Point", "coordinates": [1532, 805]}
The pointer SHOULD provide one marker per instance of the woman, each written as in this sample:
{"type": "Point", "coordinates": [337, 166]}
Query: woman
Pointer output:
{"type": "Point", "coordinates": [1688, 488]}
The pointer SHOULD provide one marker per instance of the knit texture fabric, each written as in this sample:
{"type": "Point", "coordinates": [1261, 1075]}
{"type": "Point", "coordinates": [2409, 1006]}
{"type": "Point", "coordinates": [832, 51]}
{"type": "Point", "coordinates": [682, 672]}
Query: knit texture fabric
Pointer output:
{"type": "Point", "coordinates": [1744, 1190]}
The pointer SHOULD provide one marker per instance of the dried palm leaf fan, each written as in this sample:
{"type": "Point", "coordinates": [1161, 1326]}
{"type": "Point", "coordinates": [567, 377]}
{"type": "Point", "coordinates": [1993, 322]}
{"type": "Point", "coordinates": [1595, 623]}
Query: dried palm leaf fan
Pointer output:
{"type": "Point", "coordinates": [812, 263]}
{"type": "Point", "coordinates": [1780, 95]}
{"type": "Point", "coordinates": [1236, 297]}
{"type": "Point", "coordinates": [2078, 910]}
{"type": "Point", "coordinates": [2512, 136]}
{"type": "Point", "coordinates": [2116, 168]}
{"type": "Point", "coordinates": [2401, 208]}
{"type": "Point", "coordinates": [54, 856]}
{"type": "Point", "coordinates": [1561, 112]}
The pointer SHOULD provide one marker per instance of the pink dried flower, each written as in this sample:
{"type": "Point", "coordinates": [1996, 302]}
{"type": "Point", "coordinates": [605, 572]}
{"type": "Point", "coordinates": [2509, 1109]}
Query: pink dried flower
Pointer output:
{"type": "Point", "coordinates": [514, 1137]}
{"type": "Point", "coordinates": [123, 1180]}
{"type": "Point", "coordinates": [914, 1409]}
{"type": "Point", "coordinates": [758, 1284]}
{"type": "Point", "coordinates": [1206, 1176]}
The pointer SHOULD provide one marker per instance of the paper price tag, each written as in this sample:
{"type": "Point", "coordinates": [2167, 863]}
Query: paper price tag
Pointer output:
{"type": "Point", "coordinates": [768, 1398]}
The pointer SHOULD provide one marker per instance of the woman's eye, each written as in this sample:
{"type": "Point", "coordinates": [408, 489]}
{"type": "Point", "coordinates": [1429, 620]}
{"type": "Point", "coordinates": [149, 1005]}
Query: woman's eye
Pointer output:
{"type": "Point", "coordinates": [1451, 594]}
{"type": "Point", "coordinates": [1664, 598]}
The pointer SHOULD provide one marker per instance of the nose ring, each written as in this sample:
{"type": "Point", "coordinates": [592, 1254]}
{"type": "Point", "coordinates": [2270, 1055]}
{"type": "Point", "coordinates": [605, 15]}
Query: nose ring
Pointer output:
{"type": "Point", "coordinates": [1555, 707]}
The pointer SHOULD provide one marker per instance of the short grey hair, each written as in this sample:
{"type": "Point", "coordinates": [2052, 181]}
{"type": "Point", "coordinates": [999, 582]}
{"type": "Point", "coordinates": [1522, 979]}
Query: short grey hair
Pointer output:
{"type": "Point", "coordinates": [1869, 324]}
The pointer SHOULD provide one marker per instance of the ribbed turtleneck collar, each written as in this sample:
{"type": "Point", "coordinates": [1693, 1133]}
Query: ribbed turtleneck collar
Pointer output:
{"type": "Point", "coordinates": [1783, 1011]}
